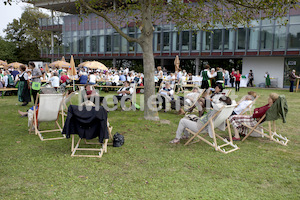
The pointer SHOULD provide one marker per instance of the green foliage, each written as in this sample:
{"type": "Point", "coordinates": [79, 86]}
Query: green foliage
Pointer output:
{"type": "Point", "coordinates": [8, 50]}
{"type": "Point", "coordinates": [147, 166]}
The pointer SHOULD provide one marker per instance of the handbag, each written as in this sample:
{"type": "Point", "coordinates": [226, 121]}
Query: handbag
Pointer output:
{"type": "Point", "coordinates": [36, 85]}
{"type": "Point", "coordinates": [192, 117]}
{"type": "Point", "coordinates": [118, 140]}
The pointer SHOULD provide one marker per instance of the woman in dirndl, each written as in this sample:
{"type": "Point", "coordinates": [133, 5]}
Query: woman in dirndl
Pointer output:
{"type": "Point", "coordinates": [24, 87]}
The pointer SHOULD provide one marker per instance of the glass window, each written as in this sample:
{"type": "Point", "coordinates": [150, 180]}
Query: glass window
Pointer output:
{"type": "Point", "coordinates": [241, 38]}
{"type": "Point", "coordinates": [166, 41]}
{"type": "Point", "coordinates": [131, 44]}
{"type": "Point", "coordinates": [281, 21]}
{"type": "Point", "coordinates": [108, 43]}
{"type": "Point", "coordinates": [67, 43]}
{"type": "Point", "coordinates": [228, 39]}
{"type": "Point", "coordinates": [139, 48]}
{"type": "Point", "coordinates": [185, 40]}
{"type": "Point", "coordinates": [94, 43]}
{"type": "Point", "coordinates": [157, 42]}
{"type": "Point", "coordinates": [294, 36]}
{"type": "Point", "coordinates": [88, 44]}
{"type": "Point", "coordinates": [253, 38]}
{"type": "Point", "coordinates": [101, 44]}
{"type": "Point", "coordinates": [116, 43]}
{"type": "Point", "coordinates": [266, 37]}
{"type": "Point", "coordinates": [206, 41]}
{"type": "Point", "coordinates": [195, 40]}
{"type": "Point", "coordinates": [266, 22]}
{"type": "Point", "coordinates": [81, 44]}
{"type": "Point", "coordinates": [175, 42]}
{"type": "Point", "coordinates": [217, 39]}
{"type": "Point", "coordinates": [75, 45]}
{"type": "Point", "coordinates": [280, 37]}
{"type": "Point", "coordinates": [123, 45]}
{"type": "Point", "coordinates": [295, 19]}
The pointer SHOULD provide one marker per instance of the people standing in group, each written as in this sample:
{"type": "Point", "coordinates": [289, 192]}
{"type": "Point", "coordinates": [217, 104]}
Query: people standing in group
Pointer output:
{"type": "Point", "coordinates": [251, 78]}
{"type": "Point", "coordinates": [205, 78]}
{"type": "Point", "coordinates": [237, 80]}
{"type": "Point", "coordinates": [292, 78]}
{"type": "Point", "coordinates": [35, 79]}
{"type": "Point", "coordinates": [24, 86]}
{"type": "Point", "coordinates": [232, 77]}
{"type": "Point", "coordinates": [268, 81]}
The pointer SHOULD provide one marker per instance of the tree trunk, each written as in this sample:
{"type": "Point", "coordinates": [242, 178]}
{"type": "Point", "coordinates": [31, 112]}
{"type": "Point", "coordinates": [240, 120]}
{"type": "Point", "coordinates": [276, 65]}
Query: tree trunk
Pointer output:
{"type": "Point", "coordinates": [148, 62]}
{"type": "Point", "coordinates": [146, 42]}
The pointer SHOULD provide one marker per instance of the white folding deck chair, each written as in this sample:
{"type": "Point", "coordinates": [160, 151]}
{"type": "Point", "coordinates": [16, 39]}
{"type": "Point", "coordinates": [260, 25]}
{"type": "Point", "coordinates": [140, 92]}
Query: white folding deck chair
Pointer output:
{"type": "Point", "coordinates": [215, 121]}
{"type": "Point", "coordinates": [248, 108]}
{"type": "Point", "coordinates": [101, 150]}
{"type": "Point", "coordinates": [188, 108]}
{"type": "Point", "coordinates": [271, 131]}
{"type": "Point", "coordinates": [48, 110]}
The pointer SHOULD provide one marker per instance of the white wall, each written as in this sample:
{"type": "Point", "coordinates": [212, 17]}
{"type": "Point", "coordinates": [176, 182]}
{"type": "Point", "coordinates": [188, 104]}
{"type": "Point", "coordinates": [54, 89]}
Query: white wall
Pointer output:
{"type": "Point", "coordinates": [261, 65]}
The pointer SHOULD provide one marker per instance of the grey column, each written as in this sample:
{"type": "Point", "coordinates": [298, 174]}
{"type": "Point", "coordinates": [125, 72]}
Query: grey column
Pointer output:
{"type": "Point", "coordinates": [197, 67]}
{"type": "Point", "coordinates": [114, 62]}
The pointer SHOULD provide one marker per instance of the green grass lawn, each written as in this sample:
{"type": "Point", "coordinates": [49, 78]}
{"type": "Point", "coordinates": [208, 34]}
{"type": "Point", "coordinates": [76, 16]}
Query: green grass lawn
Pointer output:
{"type": "Point", "coordinates": [147, 166]}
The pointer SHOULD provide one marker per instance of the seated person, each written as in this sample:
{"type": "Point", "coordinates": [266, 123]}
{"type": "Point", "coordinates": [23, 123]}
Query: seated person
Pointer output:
{"type": "Point", "coordinates": [83, 78]}
{"type": "Point", "coordinates": [126, 90]}
{"type": "Point", "coordinates": [188, 100]}
{"type": "Point", "coordinates": [250, 120]}
{"type": "Point", "coordinates": [166, 93]}
{"type": "Point", "coordinates": [247, 100]}
{"type": "Point", "coordinates": [196, 124]}
{"type": "Point", "coordinates": [207, 100]}
{"type": "Point", "coordinates": [92, 94]}
{"type": "Point", "coordinates": [54, 80]}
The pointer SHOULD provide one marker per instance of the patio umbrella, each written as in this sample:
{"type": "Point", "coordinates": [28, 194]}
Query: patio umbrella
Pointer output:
{"type": "Point", "coordinates": [176, 63]}
{"type": "Point", "coordinates": [60, 64]}
{"type": "Point", "coordinates": [72, 70]}
{"type": "Point", "coordinates": [63, 59]}
{"type": "Point", "coordinates": [14, 65]}
{"type": "Point", "coordinates": [46, 68]}
{"type": "Point", "coordinates": [93, 65]}
{"type": "Point", "coordinates": [3, 62]}
{"type": "Point", "coordinates": [2, 66]}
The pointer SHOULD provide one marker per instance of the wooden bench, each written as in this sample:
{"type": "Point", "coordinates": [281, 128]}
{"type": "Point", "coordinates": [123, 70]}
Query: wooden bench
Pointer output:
{"type": "Point", "coordinates": [3, 90]}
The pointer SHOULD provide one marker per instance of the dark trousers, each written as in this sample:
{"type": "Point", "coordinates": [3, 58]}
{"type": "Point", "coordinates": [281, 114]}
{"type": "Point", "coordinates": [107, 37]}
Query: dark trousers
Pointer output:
{"type": "Point", "coordinates": [292, 86]}
{"type": "Point", "coordinates": [251, 82]}
{"type": "Point", "coordinates": [237, 86]}
{"type": "Point", "coordinates": [34, 94]}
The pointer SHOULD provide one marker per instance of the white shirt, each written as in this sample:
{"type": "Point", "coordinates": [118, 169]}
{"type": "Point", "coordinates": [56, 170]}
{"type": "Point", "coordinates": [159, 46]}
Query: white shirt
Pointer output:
{"type": "Point", "coordinates": [125, 89]}
{"type": "Point", "coordinates": [54, 81]}
{"type": "Point", "coordinates": [116, 78]}
{"type": "Point", "coordinates": [242, 106]}
{"type": "Point", "coordinates": [191, 97]}
{"type": "Point", "coordinates": [92, 78]}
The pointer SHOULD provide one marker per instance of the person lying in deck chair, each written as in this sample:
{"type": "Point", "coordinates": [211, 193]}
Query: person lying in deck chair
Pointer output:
{"type": "Point", "coordinates": [188, 100]}
{"type": "Point", "coordinates": [196, 123]}
{"type": "Point", "coordinates": [251, 120]}
{"type": "Point", "coordinates": [247, 100]}
{"type": "Point", "coordinates": [207, 100]}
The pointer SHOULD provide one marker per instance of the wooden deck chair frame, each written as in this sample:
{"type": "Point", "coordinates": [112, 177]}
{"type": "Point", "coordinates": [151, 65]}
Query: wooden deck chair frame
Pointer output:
{"type": "Point", "coordinates": [101, 150]}
{"type": "Point", "coordinates": [36, 118]}
{"type": "Point", "coordinates": [227, 93]}
{"type": "Point", "coordinates": [272, 135]}
{"type": "Point", "coordinates": [248, 108]}
{"type": "Point", "coordinates": [214, 144]}
{"type": "Point", "coordinates": [187, 109]}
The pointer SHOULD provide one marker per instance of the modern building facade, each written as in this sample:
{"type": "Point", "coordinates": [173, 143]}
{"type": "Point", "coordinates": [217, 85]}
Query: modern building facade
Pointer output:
{"type": "Point", "coordinates": [266, 45]}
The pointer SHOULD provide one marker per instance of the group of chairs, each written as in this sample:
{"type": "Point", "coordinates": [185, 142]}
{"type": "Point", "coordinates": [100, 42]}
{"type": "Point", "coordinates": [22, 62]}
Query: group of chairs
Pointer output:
{"type": "Point", "coordinates": [52, 108]}
{"type": "Point", "coordinates": [222, 117]}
